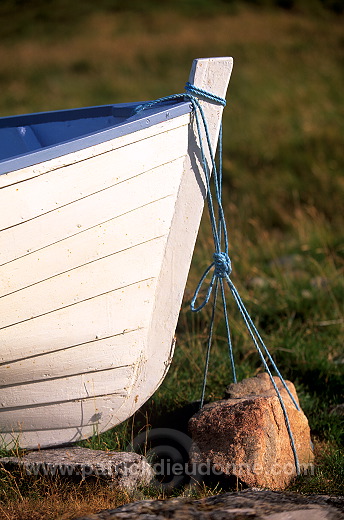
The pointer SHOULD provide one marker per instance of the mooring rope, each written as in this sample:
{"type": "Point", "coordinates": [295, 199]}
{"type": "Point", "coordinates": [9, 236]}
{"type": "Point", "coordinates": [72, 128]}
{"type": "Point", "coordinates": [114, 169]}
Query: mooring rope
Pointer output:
{"type": "Point", "coordinates": [221, 266]}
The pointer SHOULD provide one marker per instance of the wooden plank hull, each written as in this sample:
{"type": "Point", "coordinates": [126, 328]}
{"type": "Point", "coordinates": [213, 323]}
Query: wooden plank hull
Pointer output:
{"type": "Point", "coordinates": [95, 249]}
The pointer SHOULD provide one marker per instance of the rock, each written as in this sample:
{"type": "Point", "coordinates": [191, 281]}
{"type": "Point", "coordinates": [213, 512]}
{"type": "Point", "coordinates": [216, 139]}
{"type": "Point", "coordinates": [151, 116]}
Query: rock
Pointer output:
{"type": "Point", "coordinates": [259, 385]}
{"type": "Point", "coordinates": [126, 470]}
{"type": "Point", "coordinates": [245, 436]}
{"type": "Point", "coordinates": [248, 504]}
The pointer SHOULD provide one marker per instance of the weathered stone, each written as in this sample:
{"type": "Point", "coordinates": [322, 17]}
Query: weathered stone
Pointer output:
{"type": "Point", "coordinates": [259, 385]}
{"type": "Point", "coordinates": [126, 470]}
{"type": "Point", "coordinates": [248, 504]}
{"type": "Point", "coordinates": [245, 436]}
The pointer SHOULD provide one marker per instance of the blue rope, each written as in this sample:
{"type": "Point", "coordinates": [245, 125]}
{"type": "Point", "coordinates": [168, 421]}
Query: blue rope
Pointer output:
{"type": "Point", "coordinates": [221, 266]}
{"type": "Point", "coordinates": [199, 92]}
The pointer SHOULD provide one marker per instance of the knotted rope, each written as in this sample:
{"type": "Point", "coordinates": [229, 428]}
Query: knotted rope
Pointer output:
{"type": "Point", "coordinates": [221, 266]}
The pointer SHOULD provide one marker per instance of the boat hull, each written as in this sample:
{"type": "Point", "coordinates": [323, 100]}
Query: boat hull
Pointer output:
{"type": "Point", "coordinates": [95, 251]}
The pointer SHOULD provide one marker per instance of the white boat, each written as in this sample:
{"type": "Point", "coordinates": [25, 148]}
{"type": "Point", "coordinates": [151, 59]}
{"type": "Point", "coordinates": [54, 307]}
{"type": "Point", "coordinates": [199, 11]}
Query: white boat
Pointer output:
{"type": "Point", "coordinates": [100, 209]}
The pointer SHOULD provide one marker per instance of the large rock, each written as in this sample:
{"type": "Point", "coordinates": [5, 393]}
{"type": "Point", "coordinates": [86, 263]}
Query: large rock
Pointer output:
{"type": "Point", "coordinates": [125, 470]}
{"type": "Point", "coordinates": [245, 436]}
{"type": "Point", "coordinates": [246, 505]}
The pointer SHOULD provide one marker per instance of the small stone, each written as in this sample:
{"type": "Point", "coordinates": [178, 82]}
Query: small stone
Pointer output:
{"type": "Point", "coordinates": [125, 470]}
{"type": "Point", "coordinates": [246, 435]}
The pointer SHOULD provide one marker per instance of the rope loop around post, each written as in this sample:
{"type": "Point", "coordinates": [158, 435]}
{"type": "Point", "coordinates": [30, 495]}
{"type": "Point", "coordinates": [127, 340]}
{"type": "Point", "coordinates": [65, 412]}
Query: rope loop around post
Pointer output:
{"type": "Point", "coordinates": [196, 91]}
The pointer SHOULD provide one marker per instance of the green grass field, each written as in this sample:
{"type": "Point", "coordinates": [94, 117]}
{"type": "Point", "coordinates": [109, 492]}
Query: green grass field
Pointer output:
{"type": "Point", "coordinates": [283, 194]}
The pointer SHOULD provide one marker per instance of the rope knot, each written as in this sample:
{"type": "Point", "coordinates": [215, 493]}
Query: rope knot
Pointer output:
{"type": "Point", "coordinates": [223, 265]}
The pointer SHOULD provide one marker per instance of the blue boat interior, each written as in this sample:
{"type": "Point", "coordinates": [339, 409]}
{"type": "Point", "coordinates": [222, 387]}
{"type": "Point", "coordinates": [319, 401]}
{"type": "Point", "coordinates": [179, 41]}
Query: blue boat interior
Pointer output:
{"type": "Point", "coordinates": [22, 134]}
{"type": "Point", "coordinates": [23, 137]}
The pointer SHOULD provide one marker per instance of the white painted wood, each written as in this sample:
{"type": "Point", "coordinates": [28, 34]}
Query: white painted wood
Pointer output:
{"type": "Point", "coordinates": [34, 438]}
{"type": "Point", "coordinates": [48, 192]}
{"type": "Point", "coordinates": [94, 260]}
{"type": "Point", "coordinates": [107, 409]}
{"type": "Point", "coordinates": [147, 222]}
{"type": "Point", "coordinates": [101, 354]}
{"type": "Point", "coordinates": [91, 211]}
{"type": "Point", "coordinates": [115, 380]}
{"type": "Point", "coordinates": [101, 317]}
{"type": "Point", "coordinates": [141, 262]}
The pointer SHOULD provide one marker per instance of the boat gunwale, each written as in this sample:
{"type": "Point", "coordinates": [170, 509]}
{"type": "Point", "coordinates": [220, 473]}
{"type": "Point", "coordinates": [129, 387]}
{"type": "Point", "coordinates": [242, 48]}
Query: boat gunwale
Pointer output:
{"type": "Point", "coordinates": [137, 121]}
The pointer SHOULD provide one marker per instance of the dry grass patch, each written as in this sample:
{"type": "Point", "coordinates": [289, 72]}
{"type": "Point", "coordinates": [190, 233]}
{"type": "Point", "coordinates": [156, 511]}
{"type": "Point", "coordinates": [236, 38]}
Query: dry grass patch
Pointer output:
{"type": "Point", "coordinates": [60, 499]}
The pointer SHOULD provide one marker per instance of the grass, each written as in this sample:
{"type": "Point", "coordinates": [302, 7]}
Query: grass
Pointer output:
{"type": "Point", "coordinates": [283, 193]}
